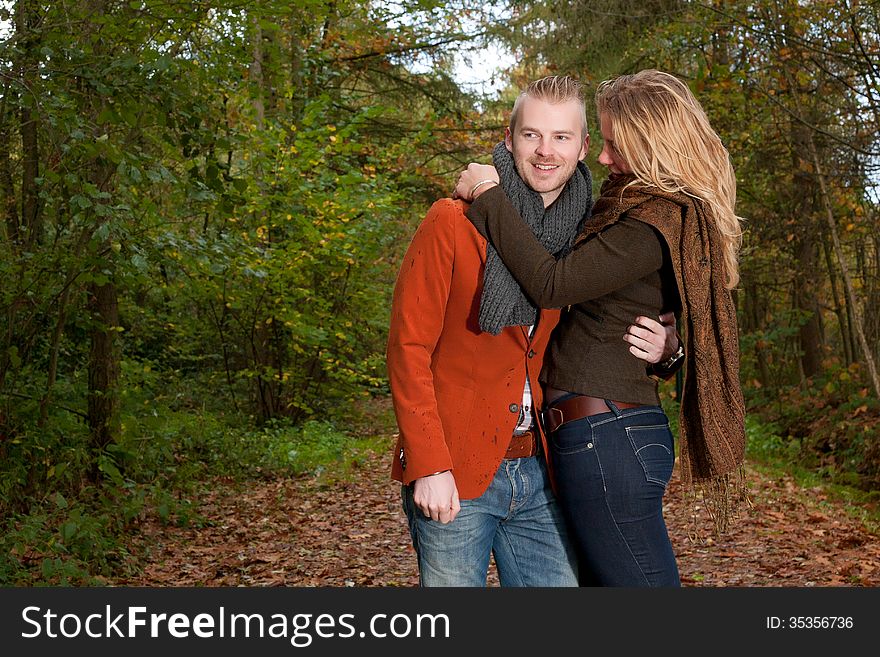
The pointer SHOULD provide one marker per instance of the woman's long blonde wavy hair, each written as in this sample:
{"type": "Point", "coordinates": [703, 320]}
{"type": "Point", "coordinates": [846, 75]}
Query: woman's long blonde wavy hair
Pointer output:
{"type": "Point", "coordinates": [663, 133]}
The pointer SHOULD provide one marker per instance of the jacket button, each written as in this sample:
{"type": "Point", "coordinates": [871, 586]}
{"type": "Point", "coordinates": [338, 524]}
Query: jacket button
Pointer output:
{"type": "Point", "coordinates": [514, 408]}
{"type": "Point", "coordinates": [531, 353]}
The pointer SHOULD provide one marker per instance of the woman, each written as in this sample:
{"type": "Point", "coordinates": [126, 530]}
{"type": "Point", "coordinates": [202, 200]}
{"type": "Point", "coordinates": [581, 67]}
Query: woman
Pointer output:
{"type": "Point", "coordinates": [663, 236]}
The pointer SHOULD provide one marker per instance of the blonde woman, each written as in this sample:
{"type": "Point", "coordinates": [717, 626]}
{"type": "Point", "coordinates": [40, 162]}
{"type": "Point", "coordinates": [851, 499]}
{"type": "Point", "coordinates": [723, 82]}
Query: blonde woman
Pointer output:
{"type": "Point", "coordinates": [663, 236]}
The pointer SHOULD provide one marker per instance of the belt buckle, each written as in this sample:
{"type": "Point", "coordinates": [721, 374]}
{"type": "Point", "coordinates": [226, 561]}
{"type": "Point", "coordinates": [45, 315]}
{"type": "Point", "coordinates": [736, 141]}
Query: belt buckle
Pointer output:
{"type": "Point", "coordinates": [533, 442]}
{"type": "Point", "coordinates": [549, 420]}
{"type": "Point", "coordinates": [523, 449]}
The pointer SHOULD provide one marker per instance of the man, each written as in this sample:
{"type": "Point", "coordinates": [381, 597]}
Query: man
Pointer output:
{"type": "Point", "coordinates": [465, 349]}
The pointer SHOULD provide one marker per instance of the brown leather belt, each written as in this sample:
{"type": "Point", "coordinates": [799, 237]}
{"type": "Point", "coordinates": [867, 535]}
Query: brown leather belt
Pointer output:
{"type": "Point", "coordinates": [523, 445]}
{"type": "Point", "coordinates": [576, 408]}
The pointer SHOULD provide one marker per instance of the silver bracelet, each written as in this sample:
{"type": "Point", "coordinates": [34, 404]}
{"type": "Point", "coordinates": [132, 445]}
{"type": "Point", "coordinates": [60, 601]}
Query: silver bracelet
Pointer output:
{"type": "Point", "coordinates": [480, 184]}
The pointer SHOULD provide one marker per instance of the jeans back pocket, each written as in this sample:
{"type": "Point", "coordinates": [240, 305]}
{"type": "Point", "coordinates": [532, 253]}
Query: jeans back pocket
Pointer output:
{"type": "Point", "coordinates": [653, 447]}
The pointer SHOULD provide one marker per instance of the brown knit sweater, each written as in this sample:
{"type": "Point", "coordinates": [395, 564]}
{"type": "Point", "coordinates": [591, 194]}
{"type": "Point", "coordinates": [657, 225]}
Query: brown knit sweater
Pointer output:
{"type": "Point", "coordinates": [606, 282]}
{"type": "Point", "coordinates": [640, 249]}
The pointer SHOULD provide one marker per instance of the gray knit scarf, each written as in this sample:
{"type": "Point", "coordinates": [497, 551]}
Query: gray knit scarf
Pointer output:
{"type": "Point", "coordinates": [503, 302]}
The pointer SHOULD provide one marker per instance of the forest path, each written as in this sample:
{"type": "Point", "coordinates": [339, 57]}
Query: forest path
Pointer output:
{"type": "Point", "coordinates": [305, 532]}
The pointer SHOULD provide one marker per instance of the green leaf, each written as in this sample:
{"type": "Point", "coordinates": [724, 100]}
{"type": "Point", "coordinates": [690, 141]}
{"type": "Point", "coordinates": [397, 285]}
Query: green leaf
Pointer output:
{"type": "Point", "coordinates": [109, 468]}
{"type": "Point", "coordinates": [139, 263]}
{"type": "Point", "coordinates": [102, 232]}
{"type": "Point", "coordinates": [107, 115]}
{"type": "Point", "coordinates": [14, 358]}
{"type": "Point", "coordinates": [68, 530]}
{"type": "Point", "coordinates": [80, 201]}
{"type": "Point", "coordinates": [130, 116]}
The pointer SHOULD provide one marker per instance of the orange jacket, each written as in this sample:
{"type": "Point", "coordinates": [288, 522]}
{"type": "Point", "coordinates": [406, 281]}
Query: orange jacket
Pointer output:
{"type": "Point", "coordinates": [456, 390]}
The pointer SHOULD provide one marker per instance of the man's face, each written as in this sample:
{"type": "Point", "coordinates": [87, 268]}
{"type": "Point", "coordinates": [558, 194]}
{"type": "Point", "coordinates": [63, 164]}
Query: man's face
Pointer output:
{"type": "Point", "coordinates": [548, 144]}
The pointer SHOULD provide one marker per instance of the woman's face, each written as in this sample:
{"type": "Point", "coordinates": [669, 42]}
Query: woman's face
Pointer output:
{"type": "Point", "coordinates": [610, 157]}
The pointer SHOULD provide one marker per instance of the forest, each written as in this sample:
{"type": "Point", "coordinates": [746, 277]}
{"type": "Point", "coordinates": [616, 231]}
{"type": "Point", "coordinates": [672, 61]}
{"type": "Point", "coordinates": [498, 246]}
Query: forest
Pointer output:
{"type": "Point", "coordinates": [205, 204]}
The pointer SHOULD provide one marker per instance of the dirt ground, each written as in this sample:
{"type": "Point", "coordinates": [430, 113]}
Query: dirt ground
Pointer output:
{"type": "Point", "coordinates": [303, 532]}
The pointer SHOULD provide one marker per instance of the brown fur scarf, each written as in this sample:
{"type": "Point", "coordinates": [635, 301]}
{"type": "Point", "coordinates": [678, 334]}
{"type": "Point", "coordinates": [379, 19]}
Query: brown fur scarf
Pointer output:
{"type": "Point", "coordinates": [712, 412]}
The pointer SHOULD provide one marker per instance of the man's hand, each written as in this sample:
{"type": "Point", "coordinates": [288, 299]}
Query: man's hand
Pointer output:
{"type": "Point", "coordinates": [653, 341]}
{"type": "Point", "coordinates": [437, 497]}
{"type": "Point", "coordinates": [468, 179]}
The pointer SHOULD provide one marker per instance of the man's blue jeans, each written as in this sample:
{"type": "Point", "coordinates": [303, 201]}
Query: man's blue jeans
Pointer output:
{"type": "Point", "coordinates": [611, 473]}
{"type": "Point", "coordinates": [517, 519]}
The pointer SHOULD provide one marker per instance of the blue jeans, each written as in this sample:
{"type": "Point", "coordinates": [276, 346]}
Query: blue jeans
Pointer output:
{"type": "Point", "coordinates": [517, 519]}
{"type": "Point", "coordinates": [611, 473]}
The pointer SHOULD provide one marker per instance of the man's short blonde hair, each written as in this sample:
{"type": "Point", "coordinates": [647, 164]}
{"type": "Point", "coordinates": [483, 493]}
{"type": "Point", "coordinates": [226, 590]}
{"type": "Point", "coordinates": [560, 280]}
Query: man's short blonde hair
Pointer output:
{"type": "Point", "coordinates": [552, 89]}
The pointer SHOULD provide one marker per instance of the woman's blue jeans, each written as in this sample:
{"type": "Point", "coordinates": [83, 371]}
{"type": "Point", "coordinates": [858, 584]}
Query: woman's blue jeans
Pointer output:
{"type": "Point", "coordinates": [611, 472]}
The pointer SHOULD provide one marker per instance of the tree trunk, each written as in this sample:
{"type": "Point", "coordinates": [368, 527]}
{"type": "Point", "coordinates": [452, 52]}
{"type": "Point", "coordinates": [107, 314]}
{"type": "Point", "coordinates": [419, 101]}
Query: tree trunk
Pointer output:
{"type": "Point", "coordinates": [871, 285]}
{"type": "Point", "coordinates": [754, 319]}
{"type": "Point", "coordinates": [7, 181]}
{"type": "Point", "coordinates": [840, 309]}
{"type": "Point", "coordinates": [810, 332]}
{"type": "Point", "coordinates": [30, 152]}
{"type": "Point", "coordinates": [103, 395]}
{"type": "Point", "coordinates": [844, 269]}
{"type": "Point", "coordinates": [297, 79]}
{"type": "Point", "coordinates": [256, 70]}
{"type": "Point", "coordinates": [264, 355]}
{"type": "Point", "coordinates": [721, 41]}
{"type": "Point", "coordinates": [52, 372]}
{"type": "Point", "coordinates": [806, 290]}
